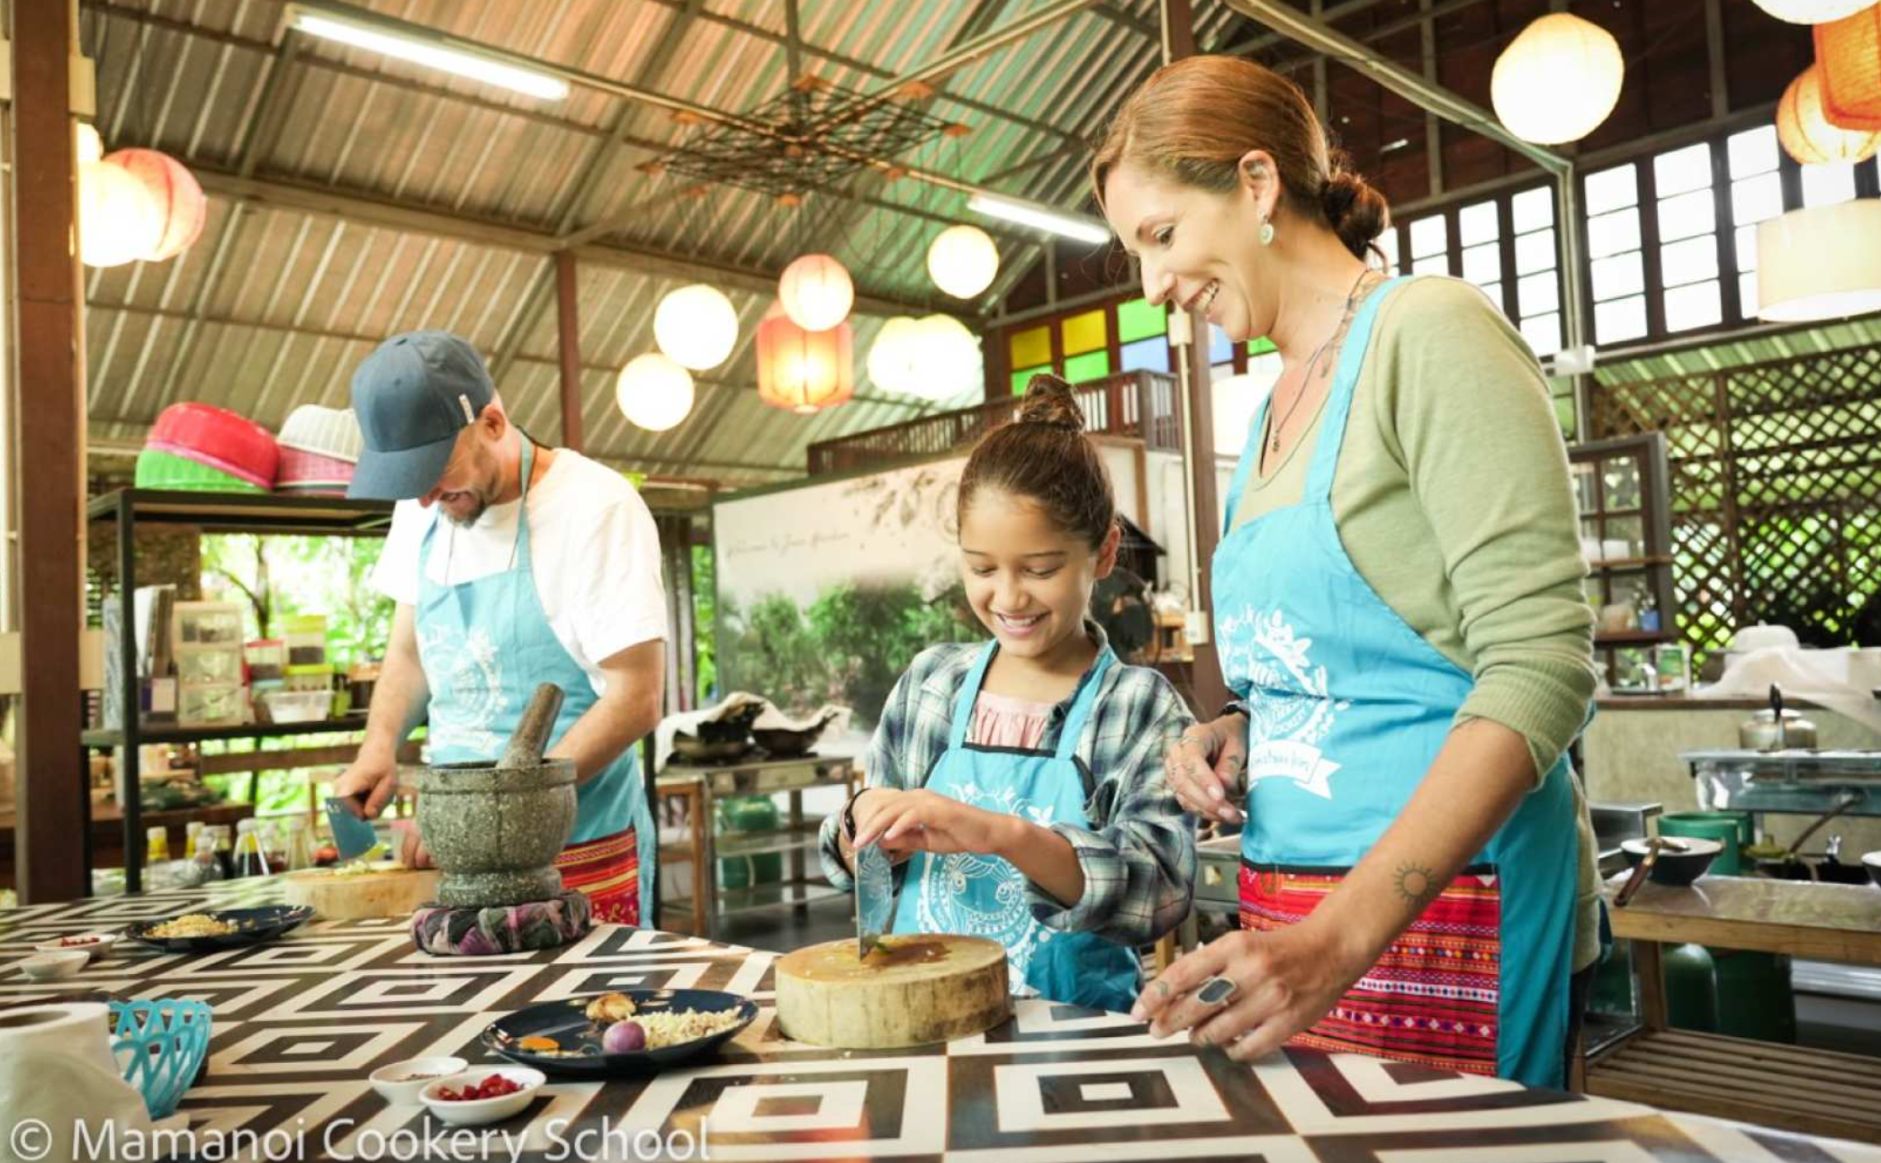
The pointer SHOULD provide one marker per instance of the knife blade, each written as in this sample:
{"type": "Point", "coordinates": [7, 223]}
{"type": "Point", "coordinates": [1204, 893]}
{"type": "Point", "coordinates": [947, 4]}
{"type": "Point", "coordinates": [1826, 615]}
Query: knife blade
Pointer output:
{"type": "Point", "coordinates": [876, 897]}
{"type": "Point", "coordinates": [352, 834]}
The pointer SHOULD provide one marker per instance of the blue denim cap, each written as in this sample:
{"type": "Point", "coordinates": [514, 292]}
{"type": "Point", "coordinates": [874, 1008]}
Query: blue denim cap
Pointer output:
{"type": "Point", "coordinates": [413, 395]}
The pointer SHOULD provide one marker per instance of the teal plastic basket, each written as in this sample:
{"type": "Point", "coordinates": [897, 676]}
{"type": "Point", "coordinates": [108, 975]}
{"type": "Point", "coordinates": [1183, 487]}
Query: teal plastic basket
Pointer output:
{"type": "Point", "coordinates": [160, 1045]}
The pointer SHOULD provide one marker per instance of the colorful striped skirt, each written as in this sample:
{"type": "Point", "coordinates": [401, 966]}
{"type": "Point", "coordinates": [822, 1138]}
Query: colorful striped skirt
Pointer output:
{"type": "Point", "coordinates": [1431, 998]}
{"type": "Point", "coordinates": [607, 872]}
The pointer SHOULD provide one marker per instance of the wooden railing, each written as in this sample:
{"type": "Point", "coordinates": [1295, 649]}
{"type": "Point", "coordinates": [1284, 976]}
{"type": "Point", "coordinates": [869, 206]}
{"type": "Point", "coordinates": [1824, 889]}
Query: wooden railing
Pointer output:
{"type": "Point", "coordinates": [1133, 404]}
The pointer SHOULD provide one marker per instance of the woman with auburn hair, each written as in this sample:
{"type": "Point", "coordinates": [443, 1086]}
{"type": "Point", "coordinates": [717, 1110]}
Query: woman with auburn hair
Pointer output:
{"type": "Point", "coordinates": [1397, 607]}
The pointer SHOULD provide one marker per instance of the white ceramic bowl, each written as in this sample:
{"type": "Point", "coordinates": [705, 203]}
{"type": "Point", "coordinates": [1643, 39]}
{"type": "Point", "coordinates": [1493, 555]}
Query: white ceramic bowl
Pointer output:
{"type": "Point", "coordinates": [97, 946]}
{"type": "Point", "coordinates": [478, 1112]}
{"type": "Point", "coordinates": [55, 966]}
{"type": "Point", "coordinates": [401, 1082]}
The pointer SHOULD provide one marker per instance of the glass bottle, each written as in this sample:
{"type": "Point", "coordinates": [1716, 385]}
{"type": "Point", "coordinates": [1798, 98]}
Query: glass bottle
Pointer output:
{"type": "Point", "coordinates": [225, 852]}
{"type": "Point", "coordinates": [250, 857]}
{"type": "Point", "coordinates": [156, 845]}
{"type": "Point", "coordinates": [192, 838]}
{"type": "Point", "coordinates": [299, 845]}
{"type": "Point", "coordinates": [274, 842]}
{"type": "Point", "coordinates": [201, 866]}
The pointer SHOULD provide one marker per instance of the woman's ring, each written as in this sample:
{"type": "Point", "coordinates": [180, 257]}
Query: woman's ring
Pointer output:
{"type": "Point", "coordinates": [1216, 991]}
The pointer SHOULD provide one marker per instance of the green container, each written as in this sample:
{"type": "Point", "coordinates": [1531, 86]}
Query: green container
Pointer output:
{"type": "Point", "coordinates": [744, 815]}
{"type": "Point", "coordinates": [1691, 988]}
{"type": "Point", "coordinates": [1754, 996]}
{"type": "Point", "coordinates": [157, 469]}
{"type": "Point", "coordinates": [1746, 834]}
{"type": "Point", "coordinates": [1611, 991]}
{"type": "Point", "coordinates": [1730, 829]}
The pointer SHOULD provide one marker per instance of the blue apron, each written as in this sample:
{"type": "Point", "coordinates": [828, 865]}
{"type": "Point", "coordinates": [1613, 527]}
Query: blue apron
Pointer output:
{"type": "Point", "coordinates": [985, 896]}
{"type": "Point", "coordinates": [1349, 707]}
{"type": "Point", "coordinates": [485, 646]}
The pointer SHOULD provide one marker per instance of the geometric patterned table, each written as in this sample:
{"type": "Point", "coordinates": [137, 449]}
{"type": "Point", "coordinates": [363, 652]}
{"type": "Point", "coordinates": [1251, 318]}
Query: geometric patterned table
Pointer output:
{"type": "Point", "coordinates": [299, 1023]}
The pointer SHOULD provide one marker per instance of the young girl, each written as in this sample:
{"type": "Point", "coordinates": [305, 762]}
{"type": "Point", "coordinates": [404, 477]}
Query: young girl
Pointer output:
{"type": "Point", "coordinates": [1022, 780]}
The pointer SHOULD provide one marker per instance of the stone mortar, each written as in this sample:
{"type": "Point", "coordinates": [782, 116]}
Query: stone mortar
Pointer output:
{"type": "Point", "coordinates": [495, 832]}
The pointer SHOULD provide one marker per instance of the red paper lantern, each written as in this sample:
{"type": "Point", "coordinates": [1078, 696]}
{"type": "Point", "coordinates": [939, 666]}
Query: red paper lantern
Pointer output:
{"type": "Point", "coordinates": [118, 221]}
{"type": "Point", "coordinates": [1848, 51]}
{"type": "Point", "coordinates": [805, 371]}
{"type": "Point", "coordinates": [178, 198]}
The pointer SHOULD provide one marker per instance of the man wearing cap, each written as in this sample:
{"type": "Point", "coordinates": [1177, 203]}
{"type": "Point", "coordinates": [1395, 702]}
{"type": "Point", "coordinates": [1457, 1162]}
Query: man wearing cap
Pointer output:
{"type": "Point", "coordinates": [512, 565]}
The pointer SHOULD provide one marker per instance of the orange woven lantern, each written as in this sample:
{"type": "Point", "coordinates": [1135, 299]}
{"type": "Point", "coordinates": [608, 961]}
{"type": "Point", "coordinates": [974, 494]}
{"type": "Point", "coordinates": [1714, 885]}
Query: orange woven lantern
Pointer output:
{"type": "Point", "coordinates": [1848, 51]}
{"type": "Point", "coordinates": [173, 189]}
{"type": "Point", "coordinates": [1808, 136]}
{"type": "Point", "coordinates": [804, 371]}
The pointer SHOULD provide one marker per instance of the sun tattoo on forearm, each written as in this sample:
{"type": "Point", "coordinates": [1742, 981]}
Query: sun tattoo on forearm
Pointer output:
{"type": "Point", "coordinates": [1417, 885]}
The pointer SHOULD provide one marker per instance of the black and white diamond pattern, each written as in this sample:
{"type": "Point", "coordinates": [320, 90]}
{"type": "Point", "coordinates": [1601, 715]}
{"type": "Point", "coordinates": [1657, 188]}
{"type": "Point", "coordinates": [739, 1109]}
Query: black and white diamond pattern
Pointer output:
{"type": "Point", "coordinates": [301, 1022]}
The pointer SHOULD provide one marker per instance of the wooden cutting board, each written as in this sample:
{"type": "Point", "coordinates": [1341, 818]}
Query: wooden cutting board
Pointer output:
{"type": "Point", "coordinates": [388, 890]}
{"type": "Point", "coordinates": [912, 990]}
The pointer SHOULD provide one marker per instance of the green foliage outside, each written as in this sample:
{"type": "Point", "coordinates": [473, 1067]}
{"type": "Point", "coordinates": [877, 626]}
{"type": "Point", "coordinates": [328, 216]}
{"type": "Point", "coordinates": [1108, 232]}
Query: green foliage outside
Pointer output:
{"type": "Point", "coordinates": [276, 577]}
{"type": "Point", "coordinates": [1816, 572]}
{"type": "Point", "coordinates": [848, 647]}
{"type": "Point", "coordinates": [705, 624]}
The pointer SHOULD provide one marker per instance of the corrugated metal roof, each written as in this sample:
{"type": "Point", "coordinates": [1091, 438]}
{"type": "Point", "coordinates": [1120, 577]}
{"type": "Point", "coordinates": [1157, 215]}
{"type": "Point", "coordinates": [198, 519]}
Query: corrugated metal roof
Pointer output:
{"type": "Point", "coordinates": [274, 306]}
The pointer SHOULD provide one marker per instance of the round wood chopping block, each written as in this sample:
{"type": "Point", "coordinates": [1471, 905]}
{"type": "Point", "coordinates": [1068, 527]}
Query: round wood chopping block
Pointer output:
{"type": "Point", "coordinates": [911, 990]}
{"type": "Point", "coordinates": [388, 890]}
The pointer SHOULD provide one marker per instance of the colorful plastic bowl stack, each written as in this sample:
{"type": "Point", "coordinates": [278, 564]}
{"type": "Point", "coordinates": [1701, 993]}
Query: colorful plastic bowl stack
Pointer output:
{"type": "Point", "coordinates": [319, 447]}
{"type": "Point", "coordinates": [202, 448]}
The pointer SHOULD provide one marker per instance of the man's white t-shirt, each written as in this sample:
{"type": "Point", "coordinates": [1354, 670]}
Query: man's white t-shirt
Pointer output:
{"type": "Point", "coordinates": [595, 557]}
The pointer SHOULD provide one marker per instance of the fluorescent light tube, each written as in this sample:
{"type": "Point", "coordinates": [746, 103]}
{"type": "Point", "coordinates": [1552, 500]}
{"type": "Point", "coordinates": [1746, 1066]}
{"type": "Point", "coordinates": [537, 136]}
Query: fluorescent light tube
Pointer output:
{"type": "Point", "coordinates": [432, 55]}
{"type": "Point", "coordinates": [1073, 226]}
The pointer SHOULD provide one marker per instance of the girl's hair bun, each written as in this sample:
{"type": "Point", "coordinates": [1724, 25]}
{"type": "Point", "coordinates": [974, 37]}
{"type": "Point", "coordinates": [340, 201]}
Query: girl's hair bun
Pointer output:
{"type": "Point", "coordinates": [1050, 400]}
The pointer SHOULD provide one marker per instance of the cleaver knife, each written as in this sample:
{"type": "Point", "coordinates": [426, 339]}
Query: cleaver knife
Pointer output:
{"type": "Point", "coordinates": [876, 897]}
{"type": "Point", "coordinates": [352, 835]}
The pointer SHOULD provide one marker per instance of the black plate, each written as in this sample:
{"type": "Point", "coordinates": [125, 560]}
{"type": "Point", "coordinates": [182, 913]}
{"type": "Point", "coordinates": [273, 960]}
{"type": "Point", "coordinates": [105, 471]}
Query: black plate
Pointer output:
{"type": "Point", "coordinates": [253, 926]}
{"type": "Point", "coordinates": [567, 1022]}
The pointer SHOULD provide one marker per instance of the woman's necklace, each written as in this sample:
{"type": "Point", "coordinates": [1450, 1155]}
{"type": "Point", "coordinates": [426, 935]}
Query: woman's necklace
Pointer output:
{"type": "Point", "coordinates": [1313, 364]}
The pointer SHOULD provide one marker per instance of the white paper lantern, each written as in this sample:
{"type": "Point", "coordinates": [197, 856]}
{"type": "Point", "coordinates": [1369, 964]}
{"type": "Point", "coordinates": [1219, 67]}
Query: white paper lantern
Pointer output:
{"type": "Point", "coordinates": [696, 326]}
{"type": "Point", "coordinates": [949, 358]}
{"type": "Point", "coordinates": [654, 392]}
{"type": "Point", "coordinates": [118, 220]}
{"type": "Point", "coordinates": [1820, 263]}
{"type": "Point", "coordinates": [962, 261]}
{"type": "Point", "coordinates": [90, 145]}
{"type": "Point", "coordinates": [1811, 11]}
{"type": "Point", "coordinates": [1558, 79]}
{"type": "Point", "coordinates": [816, 292]}
{"type": "Point", "coordinates": [895, 358]}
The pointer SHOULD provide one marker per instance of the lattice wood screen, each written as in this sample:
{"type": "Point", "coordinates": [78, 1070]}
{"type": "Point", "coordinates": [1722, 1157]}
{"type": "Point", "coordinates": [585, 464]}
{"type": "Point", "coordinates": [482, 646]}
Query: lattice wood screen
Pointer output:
{"type": "Point", "coordinates": [1776, 493]}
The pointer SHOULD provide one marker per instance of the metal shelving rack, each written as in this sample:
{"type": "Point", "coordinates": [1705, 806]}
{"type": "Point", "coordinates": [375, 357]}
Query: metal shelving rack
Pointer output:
{"type": "Point", "coordinates": [1634, 506]}
{"type": "Point", "coordinates": [210, 513]}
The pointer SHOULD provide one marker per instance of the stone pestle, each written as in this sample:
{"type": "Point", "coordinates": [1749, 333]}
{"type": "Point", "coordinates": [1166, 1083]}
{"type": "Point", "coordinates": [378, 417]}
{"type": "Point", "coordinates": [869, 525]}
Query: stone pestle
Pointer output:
{"type": "Point", "coordinates": [532, 731]}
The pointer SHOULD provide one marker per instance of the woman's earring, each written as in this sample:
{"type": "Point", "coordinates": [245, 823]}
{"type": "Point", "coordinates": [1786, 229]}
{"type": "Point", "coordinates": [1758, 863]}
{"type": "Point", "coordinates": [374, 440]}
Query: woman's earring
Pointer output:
{"type": "Point", "coordinates": [1267, 232]}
